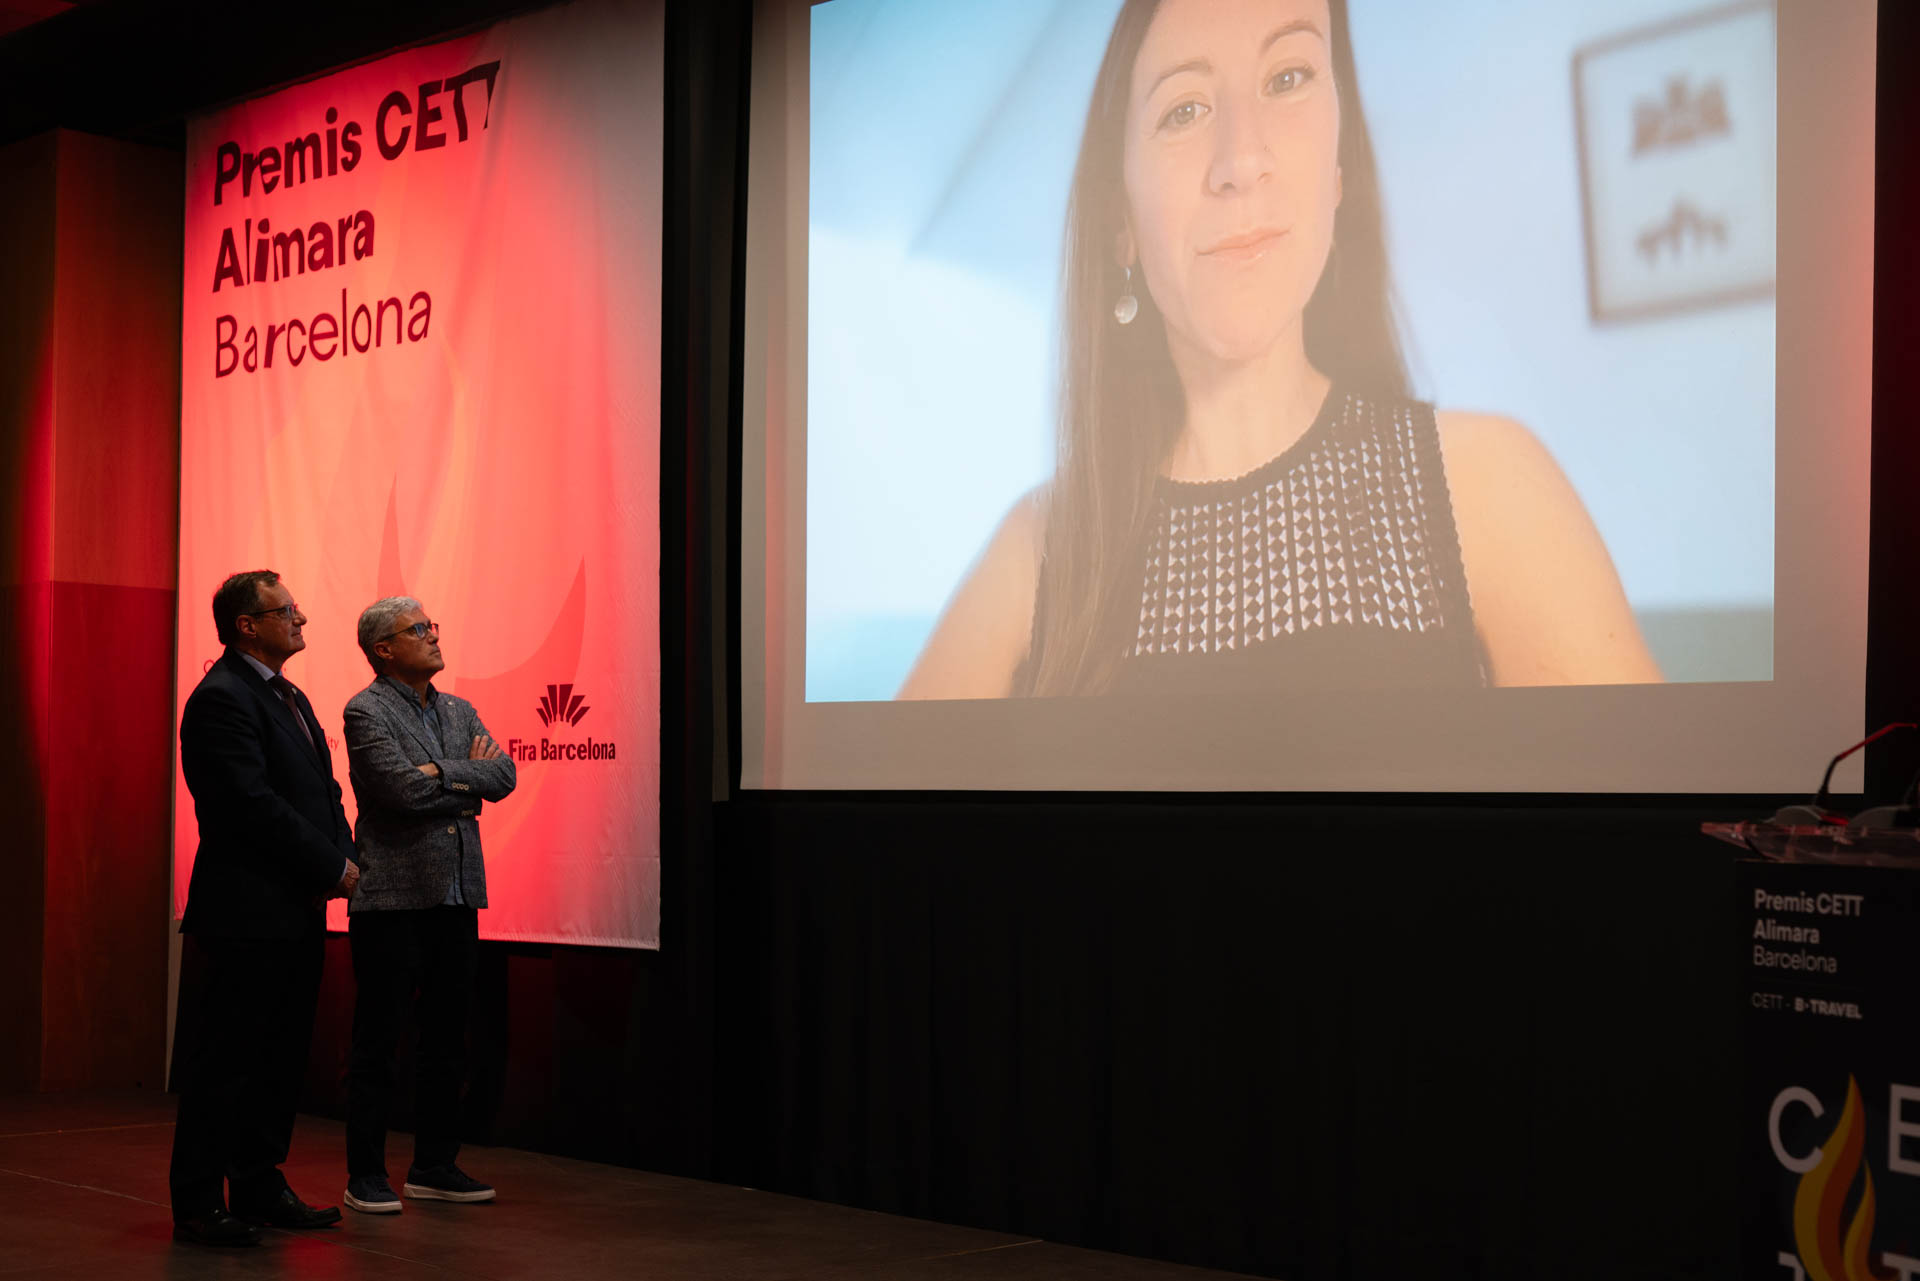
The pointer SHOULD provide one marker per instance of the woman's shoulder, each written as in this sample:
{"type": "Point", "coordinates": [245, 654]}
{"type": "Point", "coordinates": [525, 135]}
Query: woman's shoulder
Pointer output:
{"type": "Point", "coordinates": [1009, 568]}
{"type": "Point", "coordinates": [1477, 450]}
{"type": "Point", "coordinates": [1546, 597]}
{"type": "Point", "coordinates": [1026, 521]}
{"type": "Point", "coordinates": [1498, 469]}
{"type": "Point", "coordinates": [1477, 438]}
{"type": "Point", "coordinates": [1009, 565]}
{"type": "Point", "coordinates": [1474, 428]}
{"type": "Point", "coordinates": [1011, 558]}
{"type": "Point", "coordinates": [982, 634]}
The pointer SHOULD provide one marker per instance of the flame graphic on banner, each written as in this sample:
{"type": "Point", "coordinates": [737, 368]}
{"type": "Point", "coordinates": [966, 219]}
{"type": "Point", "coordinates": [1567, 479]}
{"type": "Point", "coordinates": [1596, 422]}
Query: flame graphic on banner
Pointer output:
{"type": "Point", "coordinates": [1825, 1253]}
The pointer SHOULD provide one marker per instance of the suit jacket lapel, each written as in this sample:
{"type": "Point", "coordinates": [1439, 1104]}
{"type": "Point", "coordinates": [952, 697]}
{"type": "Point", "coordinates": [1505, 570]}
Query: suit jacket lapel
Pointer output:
{"type": "Point", "coordinates": [449, 733]}
{"type": "Point", "coordinates": [280, 714]}
{"type": "Point", "coordinates": [320, 749]}
{"type": "Point", "coordinates": [409, 714]}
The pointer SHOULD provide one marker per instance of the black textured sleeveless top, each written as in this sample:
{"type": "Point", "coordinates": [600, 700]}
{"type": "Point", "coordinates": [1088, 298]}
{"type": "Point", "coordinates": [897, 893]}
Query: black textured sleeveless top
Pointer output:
{"type": "Point", "coordinates": [1334, 565]}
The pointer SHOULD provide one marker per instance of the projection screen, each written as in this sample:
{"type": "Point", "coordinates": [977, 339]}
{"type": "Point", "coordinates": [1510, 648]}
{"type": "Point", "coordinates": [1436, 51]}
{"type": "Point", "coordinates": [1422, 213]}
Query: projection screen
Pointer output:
{"type": "Point", "coordinates": [1270, 394]}
{"type": "Point", "coordinates": [421, 358]}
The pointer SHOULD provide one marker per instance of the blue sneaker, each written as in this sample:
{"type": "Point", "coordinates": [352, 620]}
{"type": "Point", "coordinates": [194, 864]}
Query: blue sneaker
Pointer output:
{"type": "Point", "coordinates": [444, 1183]}
{"type": "Point", "coordinates": [371, 1194]}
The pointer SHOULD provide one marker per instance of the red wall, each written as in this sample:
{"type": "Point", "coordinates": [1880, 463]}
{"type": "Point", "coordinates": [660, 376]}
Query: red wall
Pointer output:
{"type": "Point", "coordinates": [89, 481]}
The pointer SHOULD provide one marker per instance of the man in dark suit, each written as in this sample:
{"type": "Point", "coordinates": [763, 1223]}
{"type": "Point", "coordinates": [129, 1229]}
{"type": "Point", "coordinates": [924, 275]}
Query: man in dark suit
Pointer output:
{"type": "Point", "coordinates": [274, 844]}
{"type": "Point", "coordinates": [421, 763]}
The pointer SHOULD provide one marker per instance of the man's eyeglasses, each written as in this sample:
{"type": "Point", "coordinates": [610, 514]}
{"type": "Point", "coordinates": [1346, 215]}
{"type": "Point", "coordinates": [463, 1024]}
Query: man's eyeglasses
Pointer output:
{"type": "Point", "coordinates": [421, 630]}
{"type": "Point", "coordinates": [286, 611]}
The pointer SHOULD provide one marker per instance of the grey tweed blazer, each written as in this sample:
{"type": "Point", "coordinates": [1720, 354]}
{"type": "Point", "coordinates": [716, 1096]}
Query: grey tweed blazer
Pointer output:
{"type": "Point", "coordinates": [414, 834]}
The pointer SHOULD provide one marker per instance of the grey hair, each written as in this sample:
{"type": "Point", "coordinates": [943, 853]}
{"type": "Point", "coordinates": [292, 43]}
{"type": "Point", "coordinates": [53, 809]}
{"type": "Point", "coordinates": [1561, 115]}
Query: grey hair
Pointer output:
{"type": "Point", "coordinates": [376, 623]}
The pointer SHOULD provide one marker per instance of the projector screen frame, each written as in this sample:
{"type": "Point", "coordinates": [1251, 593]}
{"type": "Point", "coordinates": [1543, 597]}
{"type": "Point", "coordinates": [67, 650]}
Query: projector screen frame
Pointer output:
{"type": "Point", "coordinates": [1727, 738]}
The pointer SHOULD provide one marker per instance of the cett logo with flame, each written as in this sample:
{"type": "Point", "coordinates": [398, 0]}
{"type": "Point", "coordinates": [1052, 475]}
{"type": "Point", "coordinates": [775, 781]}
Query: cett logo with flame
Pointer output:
{"type": "Point", "coordinates": [560, 708]}
{"type": "Point", "coordinates": [1833, 1245]}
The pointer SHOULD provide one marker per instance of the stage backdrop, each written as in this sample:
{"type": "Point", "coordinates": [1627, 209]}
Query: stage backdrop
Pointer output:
{"type": "Point", "coordinates": [420, 357]}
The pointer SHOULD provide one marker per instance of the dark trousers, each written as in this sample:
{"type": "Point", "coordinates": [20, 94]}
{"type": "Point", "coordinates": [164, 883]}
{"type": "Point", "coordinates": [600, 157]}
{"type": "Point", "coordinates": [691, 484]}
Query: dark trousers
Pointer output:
{"type": "Point", "coordinates": [420, 960]}
{"type": "Point", "coordinates": [251, 1029]}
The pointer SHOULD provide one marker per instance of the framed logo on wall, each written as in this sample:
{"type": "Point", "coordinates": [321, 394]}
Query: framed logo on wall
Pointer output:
{"type": "Point", "coordinates": [1677, 129]}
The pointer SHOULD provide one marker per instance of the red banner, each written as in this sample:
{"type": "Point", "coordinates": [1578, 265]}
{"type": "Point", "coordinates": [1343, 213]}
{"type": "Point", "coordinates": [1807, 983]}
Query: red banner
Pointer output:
{"type": "Point", "coordinates": [421, 357]}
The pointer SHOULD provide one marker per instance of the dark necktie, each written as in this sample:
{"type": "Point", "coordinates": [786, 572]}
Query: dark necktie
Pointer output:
{"type": "Point", "coordinates": [284, 688]}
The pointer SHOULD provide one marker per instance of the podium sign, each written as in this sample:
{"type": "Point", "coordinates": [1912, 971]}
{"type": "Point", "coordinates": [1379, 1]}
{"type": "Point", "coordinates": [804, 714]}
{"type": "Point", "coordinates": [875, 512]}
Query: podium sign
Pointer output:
{"type": "Point", "coordinates": [1829, 1137]}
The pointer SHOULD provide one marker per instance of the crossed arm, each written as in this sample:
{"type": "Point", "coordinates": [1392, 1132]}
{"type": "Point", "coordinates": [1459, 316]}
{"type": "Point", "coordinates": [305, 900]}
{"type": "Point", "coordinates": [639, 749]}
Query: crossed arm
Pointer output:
{"type": "Point", "coordinates": [487, 772]}
{"type": "Point", "coordinates": [435, 787]}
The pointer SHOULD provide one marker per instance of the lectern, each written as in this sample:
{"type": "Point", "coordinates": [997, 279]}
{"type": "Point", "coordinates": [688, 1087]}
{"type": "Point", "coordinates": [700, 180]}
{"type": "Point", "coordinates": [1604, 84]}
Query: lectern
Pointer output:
{"type": "Point", "coordinates": [1828, 949]}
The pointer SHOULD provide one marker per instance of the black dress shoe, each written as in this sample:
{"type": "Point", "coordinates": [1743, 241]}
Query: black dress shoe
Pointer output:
{"type": "Point", "coordinates": [289, 1211]}
{"type": "Point", "coordinates": [216, 1227]}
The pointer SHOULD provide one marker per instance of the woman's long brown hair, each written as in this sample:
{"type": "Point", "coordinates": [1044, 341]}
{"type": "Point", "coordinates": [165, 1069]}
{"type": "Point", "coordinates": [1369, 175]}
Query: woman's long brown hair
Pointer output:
{"type": "Point", "coordinates": [1121, 404]}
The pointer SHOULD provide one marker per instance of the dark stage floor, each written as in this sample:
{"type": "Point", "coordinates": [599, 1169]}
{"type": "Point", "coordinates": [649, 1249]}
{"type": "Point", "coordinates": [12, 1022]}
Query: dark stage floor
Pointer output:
{"type": "Point", "coordinates": [83, 1193]}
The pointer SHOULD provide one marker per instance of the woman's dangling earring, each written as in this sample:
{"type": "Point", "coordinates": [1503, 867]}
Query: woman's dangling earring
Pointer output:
{"type": "Point", "coordinates": [1128, 307]}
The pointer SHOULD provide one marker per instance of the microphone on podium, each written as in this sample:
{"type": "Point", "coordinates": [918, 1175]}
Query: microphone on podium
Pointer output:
{"type": "Point", "coordinates": [1891, 817]}
{"type": "Point", "coordinates": [1815, 812]}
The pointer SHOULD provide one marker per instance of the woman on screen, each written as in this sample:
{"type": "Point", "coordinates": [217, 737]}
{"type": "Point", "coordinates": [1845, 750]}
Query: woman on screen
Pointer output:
{"type": "Point", "coordinates": [1244, 496]}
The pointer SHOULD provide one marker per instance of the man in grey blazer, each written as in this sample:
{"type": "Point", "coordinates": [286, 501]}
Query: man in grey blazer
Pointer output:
{"type": "Point", "coordinates": [421, 764]}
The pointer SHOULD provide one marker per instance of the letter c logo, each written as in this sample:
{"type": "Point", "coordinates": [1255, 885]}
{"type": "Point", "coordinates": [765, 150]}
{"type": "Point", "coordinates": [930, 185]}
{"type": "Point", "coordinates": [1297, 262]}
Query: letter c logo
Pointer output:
{"type": "Point", "coordinates": [1792, 1094]}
